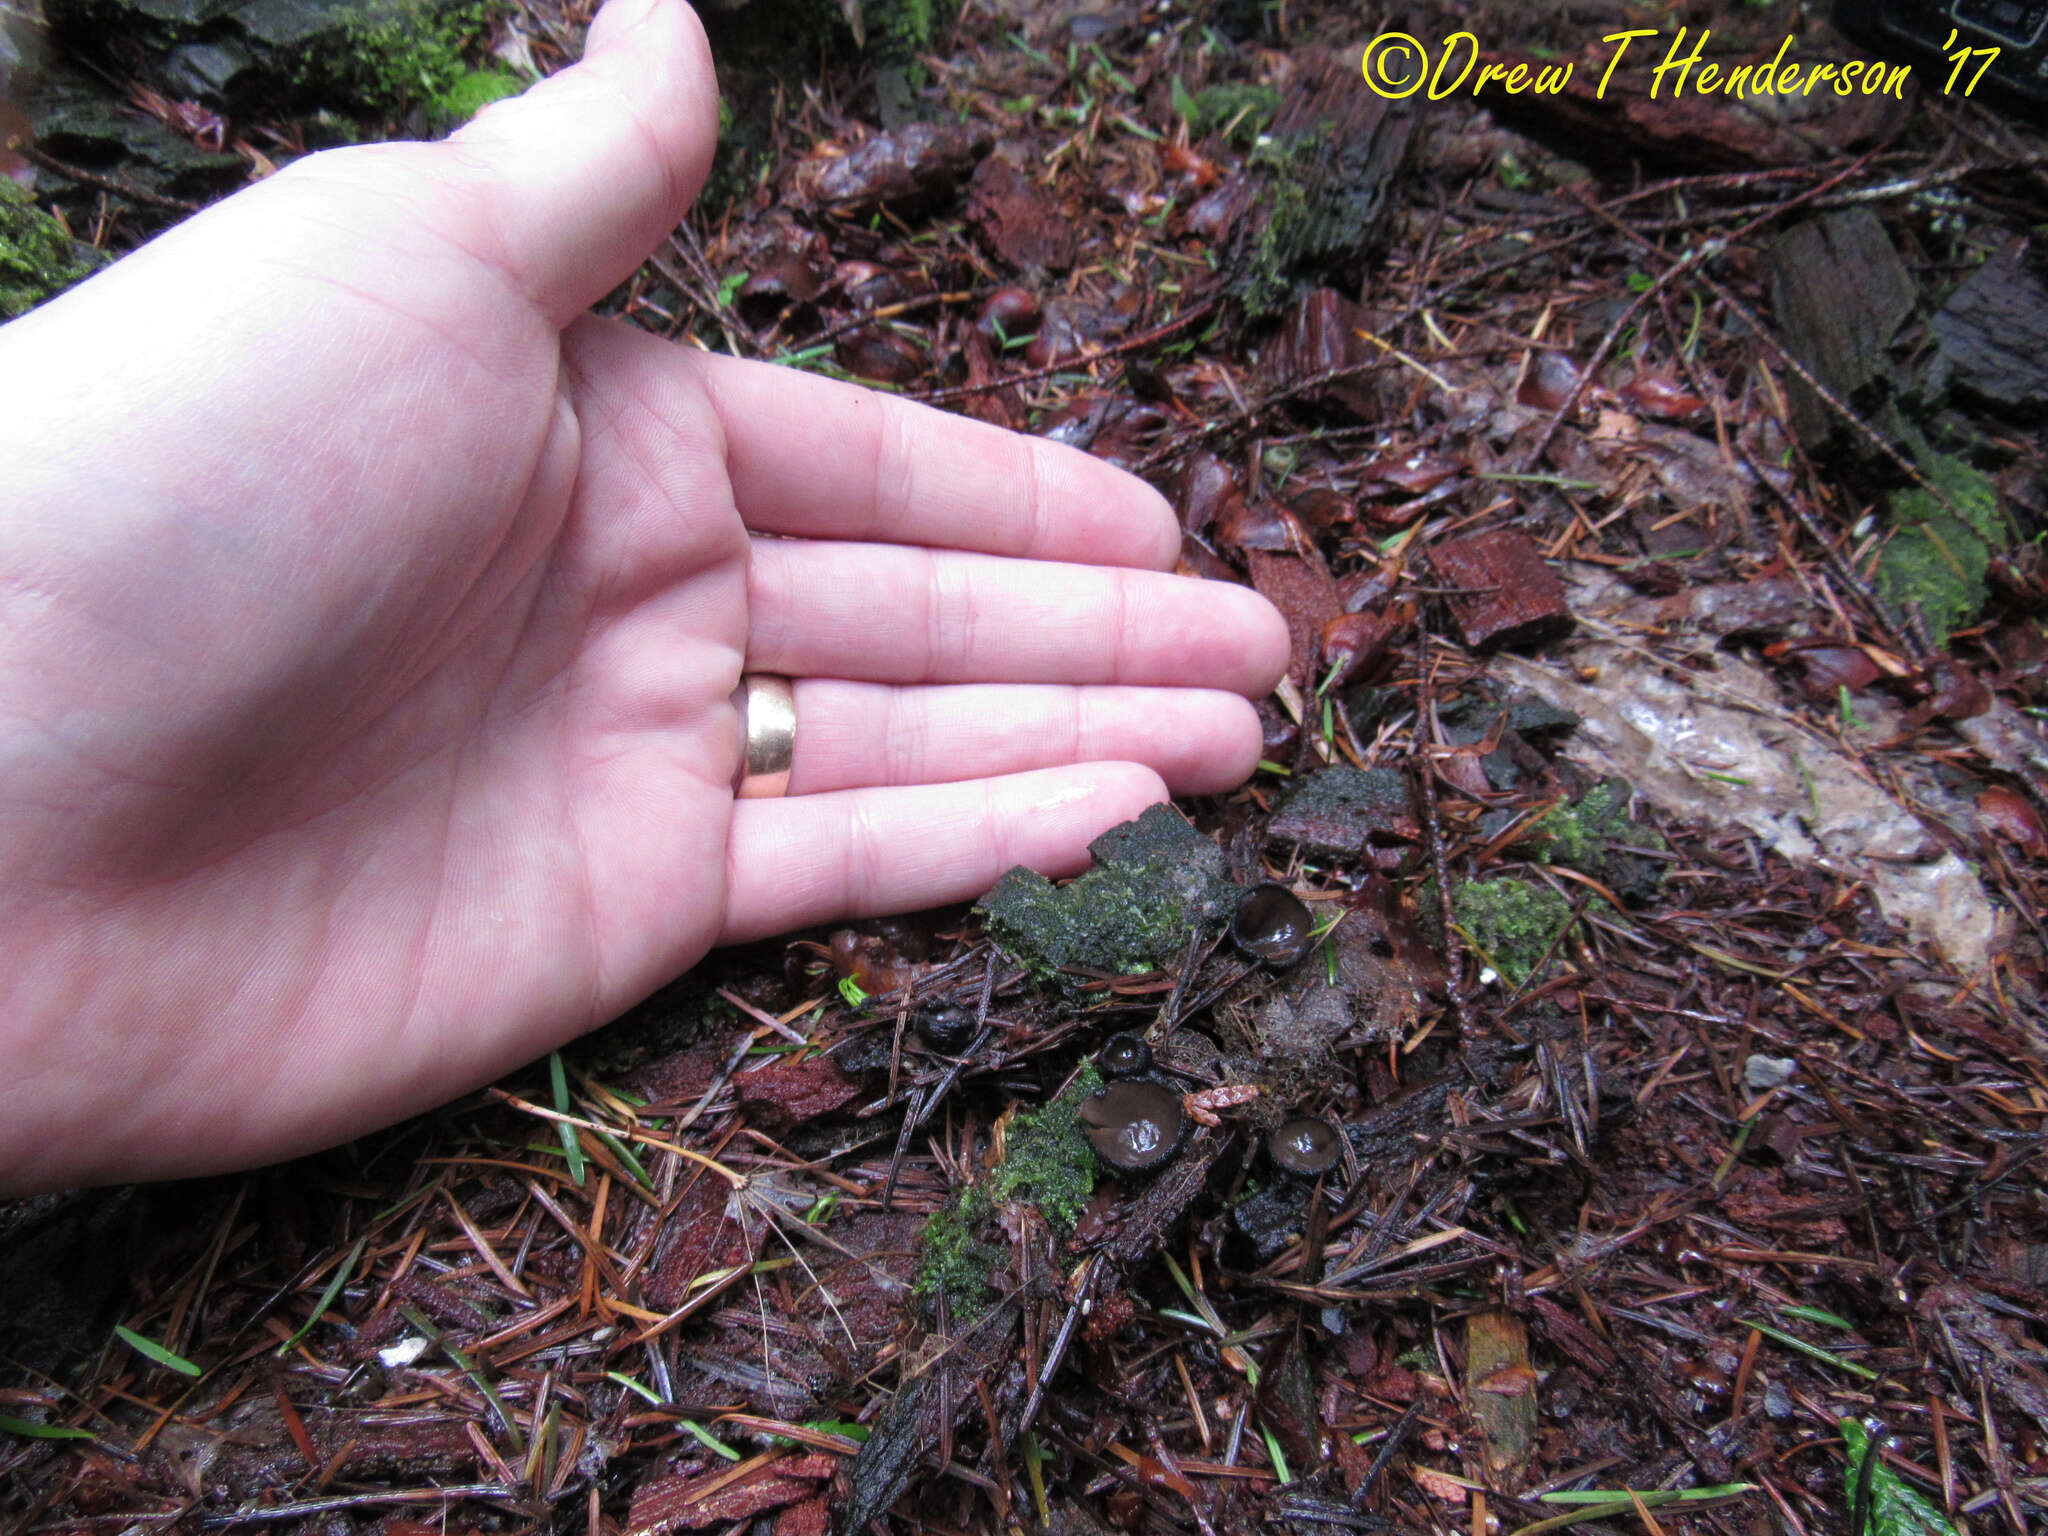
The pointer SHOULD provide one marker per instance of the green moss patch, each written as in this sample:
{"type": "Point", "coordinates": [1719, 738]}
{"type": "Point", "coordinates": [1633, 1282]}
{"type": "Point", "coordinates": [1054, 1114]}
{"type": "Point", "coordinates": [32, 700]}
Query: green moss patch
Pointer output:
{"type": "Point", "coordinates": [1156, 881]}
{"type": "Point", "coordinates": [951, 1260]}
{"type": "Point", "coordinates": [393, 55]}
{"type": "Point", "coordinates": [1595, 836]}
{"type": "Point", "coordinates": [1511, 922]}
{"type": "Point", "coordinates": [471, 92]}
{"type": "Point", "coordinates": [37, 258]}
{"type": "Point", "coordinates": [1239, 110]}
{"type": "Point", "coordinates": [1046, 1156]}
{"type": "Point", "coordinates": [1936, 558]}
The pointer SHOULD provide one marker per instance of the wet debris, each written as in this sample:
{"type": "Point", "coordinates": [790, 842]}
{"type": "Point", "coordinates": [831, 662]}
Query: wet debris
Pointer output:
{"type": "Point", "coordinates": [1596, 835]}
{"type": "Point", "coordinates": [1635, 119]}
{"type": "Point", "coordinates": [1503, 593]}
{"type": "Point", "coordinates": [1993, 330]}
{"type": "Point", "coordinates": [1019, 223]}
{"type": "Point", "coordinates": [1344, 812]}
{"type": "Point", "coordinates": [726, 1493]}
{"type": "Point", "coordinates": [1841, 294]}
{"type": "Point", "coordinates": [1500, 1390]}
{"type": "Point", "coordinates": [1324, 177]}
{"type": "Point", "coordinates": [912, 167]}
{"type": "Point", "coordinates": [1731, 755]}
{"type": "Point", "coordinates": [922, 1411]}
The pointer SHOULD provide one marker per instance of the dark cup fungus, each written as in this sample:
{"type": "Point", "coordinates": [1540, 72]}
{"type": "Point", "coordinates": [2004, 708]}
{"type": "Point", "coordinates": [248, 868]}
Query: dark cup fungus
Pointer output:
{"type": "Point", "coordinates": [1305, 1146]}
{"type": "Point", "coordinates": [1134, 1126]}
{"type": "Point", "coordinates": [1124, 1056]}
{"type": "Point", "coordinates": [946, 1027]}
{"type": "Point", "coordinates": [1272, 924]}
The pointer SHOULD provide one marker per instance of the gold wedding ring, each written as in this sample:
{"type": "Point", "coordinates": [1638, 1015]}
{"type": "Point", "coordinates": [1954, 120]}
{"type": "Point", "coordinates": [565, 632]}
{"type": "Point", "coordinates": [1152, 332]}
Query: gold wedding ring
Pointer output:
{"type": "Point", "coordinates": [768, 705]}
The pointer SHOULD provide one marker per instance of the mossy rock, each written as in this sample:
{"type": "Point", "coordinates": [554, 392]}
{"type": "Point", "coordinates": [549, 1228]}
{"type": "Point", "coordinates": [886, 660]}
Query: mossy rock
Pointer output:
{"type": "Point", "coordinates": [372, 57]}
{"type": "Point", "coordinates": [74, 120]}
{"type": "Point", "coordinates": [38, 260]}
{"type": "Point", "coordinates": [1155, 883]}
{"type": "Point", "coordinates": [387, 56]}
{"type": "Point", "coordinates": [1936, 559]}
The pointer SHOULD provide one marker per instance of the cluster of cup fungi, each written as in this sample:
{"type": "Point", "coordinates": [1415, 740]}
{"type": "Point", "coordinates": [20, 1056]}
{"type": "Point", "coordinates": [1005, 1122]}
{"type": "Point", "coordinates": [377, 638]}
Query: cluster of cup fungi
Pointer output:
{"type": "Point", "coordinates": [1138, 1120]}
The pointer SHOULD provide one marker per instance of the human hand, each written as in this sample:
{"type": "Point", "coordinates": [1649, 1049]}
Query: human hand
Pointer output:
{"type": "Point", "coordinates": [370, 616]}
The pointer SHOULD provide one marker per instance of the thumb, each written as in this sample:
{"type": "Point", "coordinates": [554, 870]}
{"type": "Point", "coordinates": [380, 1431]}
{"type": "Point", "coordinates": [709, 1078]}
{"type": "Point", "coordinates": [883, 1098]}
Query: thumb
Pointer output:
{"type": "Point", "coordinates": [587, 172]}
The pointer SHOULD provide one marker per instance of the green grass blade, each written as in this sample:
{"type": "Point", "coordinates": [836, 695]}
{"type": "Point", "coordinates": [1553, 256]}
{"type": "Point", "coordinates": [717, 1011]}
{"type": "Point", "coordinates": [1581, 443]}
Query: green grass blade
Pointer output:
{"type": "Point", "coordinates": [709, 1439]}
{"type": "Point", "coordinates": [12, 1426]}
{"type": "Point", "coordinates": [1279, 1461]}
{"type": "Point", "coordinates": [558, 1084]}
{"type": "Point", "coordinates": [1819, 1315]}
{"type": "Point", "coordinates": [151, 1350]}
{"type": "Point", "coordinates": [468, 1367]}
{"type": "Point", "coordinates": [1814, 1350]}
{"type": "Point", "coordinates": [327, 1296]}
{"type": "Point", "coordinates": [625, 1155]}
{"type": "Point", "coordinates": [631, 1385]}
{"type": "Point", "coordinates": [1651, 1497]}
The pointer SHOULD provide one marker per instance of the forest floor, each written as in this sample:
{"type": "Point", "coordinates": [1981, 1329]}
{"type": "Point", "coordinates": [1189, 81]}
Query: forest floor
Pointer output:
{"type": "Point", "coordinates": [1654, 489]}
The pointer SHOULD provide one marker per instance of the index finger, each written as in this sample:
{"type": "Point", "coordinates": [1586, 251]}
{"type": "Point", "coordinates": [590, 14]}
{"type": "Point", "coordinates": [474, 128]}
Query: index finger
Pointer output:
{"type": "Point", "coordinates": [820, 459]}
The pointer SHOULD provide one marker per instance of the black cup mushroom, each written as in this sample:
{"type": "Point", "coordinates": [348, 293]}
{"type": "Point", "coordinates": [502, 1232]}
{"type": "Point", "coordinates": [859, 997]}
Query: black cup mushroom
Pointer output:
{"type": "Point", "coordinates": [1124, 1056]}
{"type": "Point", "coordinates": [1272, 925]}
{"type": "Point", "coordinates": [1305, 1146]}
{"type": "Point", "coordinates": [946, 1027]}
{"type": "Point", "coordinates": [1134, 1126]}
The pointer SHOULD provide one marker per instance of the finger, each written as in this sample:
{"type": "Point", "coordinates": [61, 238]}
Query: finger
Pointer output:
{"type": "Point", "coordinates": [857, 735]}
{"type": "Point", "coordinates": [865, 852]}
{"type": "Point", "coordinates": [589, 170]}
{"type": "Point", "coordinates": [823, 459]}
{"type": "Point", "coordinates": [876, 613]}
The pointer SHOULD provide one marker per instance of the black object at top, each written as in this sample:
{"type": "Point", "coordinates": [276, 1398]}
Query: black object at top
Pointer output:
{"type": "Point", "coordinates": [1124, 1056]}
{"type": "Point", "coordinates": [946, 1027]}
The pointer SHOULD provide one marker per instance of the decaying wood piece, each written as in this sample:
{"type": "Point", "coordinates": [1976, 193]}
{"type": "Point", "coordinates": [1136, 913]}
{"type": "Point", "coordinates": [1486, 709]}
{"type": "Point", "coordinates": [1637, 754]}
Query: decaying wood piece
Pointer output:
{"type": "Point", "coordinates": [876, 1477]}
{"type": "Point", "coordinates": [1153, 1214]}
{"type": "Point", "coordinates": [726, 1493]}
{"type": "Point", "coordinates": [1500, 1392]}
{"type": "Point", "coordinates": [1839, 293]}
{"type": "Point", "coordinates": [1323, 184]}
{"type": "Point", "coordinates": [1503, 592]}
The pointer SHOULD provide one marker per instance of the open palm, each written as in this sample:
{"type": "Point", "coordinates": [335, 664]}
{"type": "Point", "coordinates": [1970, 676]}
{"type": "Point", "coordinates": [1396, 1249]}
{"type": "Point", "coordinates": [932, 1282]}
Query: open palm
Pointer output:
{"type": "Point", "coordinates": [369, 624]}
